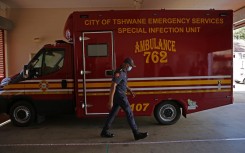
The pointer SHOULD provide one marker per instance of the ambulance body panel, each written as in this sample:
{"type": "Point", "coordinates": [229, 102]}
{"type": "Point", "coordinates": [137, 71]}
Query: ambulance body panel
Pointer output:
{"type": "Point", "coordinates": [183, 64]}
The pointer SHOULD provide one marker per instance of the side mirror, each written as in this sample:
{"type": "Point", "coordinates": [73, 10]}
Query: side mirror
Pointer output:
{"type": "Point", "coordinates": [26, 72]}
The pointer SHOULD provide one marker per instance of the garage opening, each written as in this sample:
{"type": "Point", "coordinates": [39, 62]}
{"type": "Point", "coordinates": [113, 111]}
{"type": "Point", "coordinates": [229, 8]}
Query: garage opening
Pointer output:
{"type": "Point", "coordinates": [239, 59]}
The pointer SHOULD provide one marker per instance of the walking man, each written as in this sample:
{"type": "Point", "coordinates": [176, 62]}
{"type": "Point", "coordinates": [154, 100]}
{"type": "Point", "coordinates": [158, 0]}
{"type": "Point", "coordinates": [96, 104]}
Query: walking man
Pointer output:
{"type": "Point", "coordinates": [118, 98]}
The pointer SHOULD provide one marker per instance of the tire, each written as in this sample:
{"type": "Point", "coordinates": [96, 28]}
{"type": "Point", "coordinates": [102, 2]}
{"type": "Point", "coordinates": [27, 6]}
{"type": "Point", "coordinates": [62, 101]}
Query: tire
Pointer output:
{"type": "Point", "coordinates": [22, 114]}
{"type": "Point", "coordinates": [167, 113]}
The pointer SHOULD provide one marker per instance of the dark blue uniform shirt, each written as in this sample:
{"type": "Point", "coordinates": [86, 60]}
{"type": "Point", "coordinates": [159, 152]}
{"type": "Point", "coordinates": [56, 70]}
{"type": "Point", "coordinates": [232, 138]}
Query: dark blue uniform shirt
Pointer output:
{"type": "Point", "coordinates": [120, 100]}
{"type": "Point", "coordinates": [121, 79]}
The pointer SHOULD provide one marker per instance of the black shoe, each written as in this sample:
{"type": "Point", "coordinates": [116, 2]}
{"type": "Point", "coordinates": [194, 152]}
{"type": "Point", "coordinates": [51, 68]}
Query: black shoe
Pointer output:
{"type": "Point", "coordinates": [140, 135]}
{"type": "Point", "coordinates": [106, 134]}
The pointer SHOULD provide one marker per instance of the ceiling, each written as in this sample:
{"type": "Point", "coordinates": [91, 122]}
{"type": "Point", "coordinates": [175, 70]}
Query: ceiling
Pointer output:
{"type": "Point", "coordinates": [129, 4]}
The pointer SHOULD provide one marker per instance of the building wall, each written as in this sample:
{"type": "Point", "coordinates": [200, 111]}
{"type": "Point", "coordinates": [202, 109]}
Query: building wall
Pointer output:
{"type": "Point", "coordinates": [239, 18]}
{"type": "Point", "coordinates": [32, 29]}
{"type": "Point", "coordinates": [239, 14]}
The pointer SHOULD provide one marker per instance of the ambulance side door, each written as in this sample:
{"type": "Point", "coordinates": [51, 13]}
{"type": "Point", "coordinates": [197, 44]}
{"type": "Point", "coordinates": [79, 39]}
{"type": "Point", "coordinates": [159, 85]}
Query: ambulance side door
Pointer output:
{"type": "Point", "coordinates": [98, 63]}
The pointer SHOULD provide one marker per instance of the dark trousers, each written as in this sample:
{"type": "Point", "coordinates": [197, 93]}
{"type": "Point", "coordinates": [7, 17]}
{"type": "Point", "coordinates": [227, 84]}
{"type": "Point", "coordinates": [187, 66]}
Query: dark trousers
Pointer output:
{"type": "Point", "coordinates": [121, 101]}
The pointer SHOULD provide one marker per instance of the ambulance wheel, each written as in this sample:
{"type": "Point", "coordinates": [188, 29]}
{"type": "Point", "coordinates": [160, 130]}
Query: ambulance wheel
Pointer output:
{"type": "Point", "coordinates": [22, 114]}
{"type": "Point", "coordinates": [167, 113]}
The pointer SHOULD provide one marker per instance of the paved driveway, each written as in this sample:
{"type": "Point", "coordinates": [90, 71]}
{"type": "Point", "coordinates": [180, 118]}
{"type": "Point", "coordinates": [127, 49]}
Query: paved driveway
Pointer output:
{"type": "Point", "coordinates": [219, 130]}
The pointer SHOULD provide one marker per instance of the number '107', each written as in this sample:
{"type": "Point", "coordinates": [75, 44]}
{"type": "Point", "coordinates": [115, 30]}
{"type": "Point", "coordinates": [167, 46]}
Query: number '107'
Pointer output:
{"type": "Point", "coordinates": [139, 107]}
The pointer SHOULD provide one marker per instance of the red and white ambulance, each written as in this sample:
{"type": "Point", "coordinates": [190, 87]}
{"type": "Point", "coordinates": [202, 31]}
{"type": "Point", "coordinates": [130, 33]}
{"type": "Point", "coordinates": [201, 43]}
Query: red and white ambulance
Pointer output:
{"type": "Point", "coordinates": [183, 58]}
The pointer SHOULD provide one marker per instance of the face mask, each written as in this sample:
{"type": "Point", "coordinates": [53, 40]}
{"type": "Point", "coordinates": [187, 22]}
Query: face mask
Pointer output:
{"type": "Point", "coordinates": [129, 68]}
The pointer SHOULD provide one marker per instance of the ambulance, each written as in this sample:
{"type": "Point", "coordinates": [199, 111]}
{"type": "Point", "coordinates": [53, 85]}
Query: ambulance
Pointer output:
{"type": "Point", "coordinates": [183, 65]}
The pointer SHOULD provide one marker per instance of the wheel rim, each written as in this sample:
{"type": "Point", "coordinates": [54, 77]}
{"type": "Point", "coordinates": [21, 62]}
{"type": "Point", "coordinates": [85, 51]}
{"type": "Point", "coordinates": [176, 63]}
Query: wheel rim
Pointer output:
{"type": "Point", "coordinates": [22, 114]}
{"type": "Point", "coordinates": [168, 113]}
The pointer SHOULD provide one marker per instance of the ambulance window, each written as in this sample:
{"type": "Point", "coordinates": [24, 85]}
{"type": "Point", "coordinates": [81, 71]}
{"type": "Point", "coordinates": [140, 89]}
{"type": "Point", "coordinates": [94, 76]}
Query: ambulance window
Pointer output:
{"type": "Point", "coordinates": [37, 63]}
{"type": "Point", "coordinates": [53, 61]}
{"type": "Point", "coordinates": [97, 50]}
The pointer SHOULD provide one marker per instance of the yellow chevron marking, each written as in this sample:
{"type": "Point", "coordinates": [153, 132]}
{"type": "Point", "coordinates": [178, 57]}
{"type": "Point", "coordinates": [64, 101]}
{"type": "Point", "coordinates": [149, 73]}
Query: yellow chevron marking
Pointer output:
{"type": "Point", "coordinates": [175, 83]}
{"type": "Point", "coordinates": [161, 83]}
{"type": "Point", "coordinates": [131, 84]}
{"type": "Point", "coordinates": [163, 92]}
{"type": "Point", "coordinates": [36, 86]}
{"type": "Point", "coordinates": [38, 93]}
{"type": "Point", "coordinates": [107, 93]}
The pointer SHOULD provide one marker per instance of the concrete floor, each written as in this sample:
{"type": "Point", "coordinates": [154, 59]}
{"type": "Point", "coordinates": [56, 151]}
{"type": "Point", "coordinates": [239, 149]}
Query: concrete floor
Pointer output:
{"type": "Point", "coordinates": [219, 130]}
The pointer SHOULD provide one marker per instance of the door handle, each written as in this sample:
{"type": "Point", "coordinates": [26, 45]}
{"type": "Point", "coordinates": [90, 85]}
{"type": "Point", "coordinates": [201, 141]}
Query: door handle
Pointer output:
{"type": "Point", "coordinates": [109, 72]}
{"type": "Point", "coordinates": [64, 84]}
{"type": "Point", "coordinates": [85, 72]}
